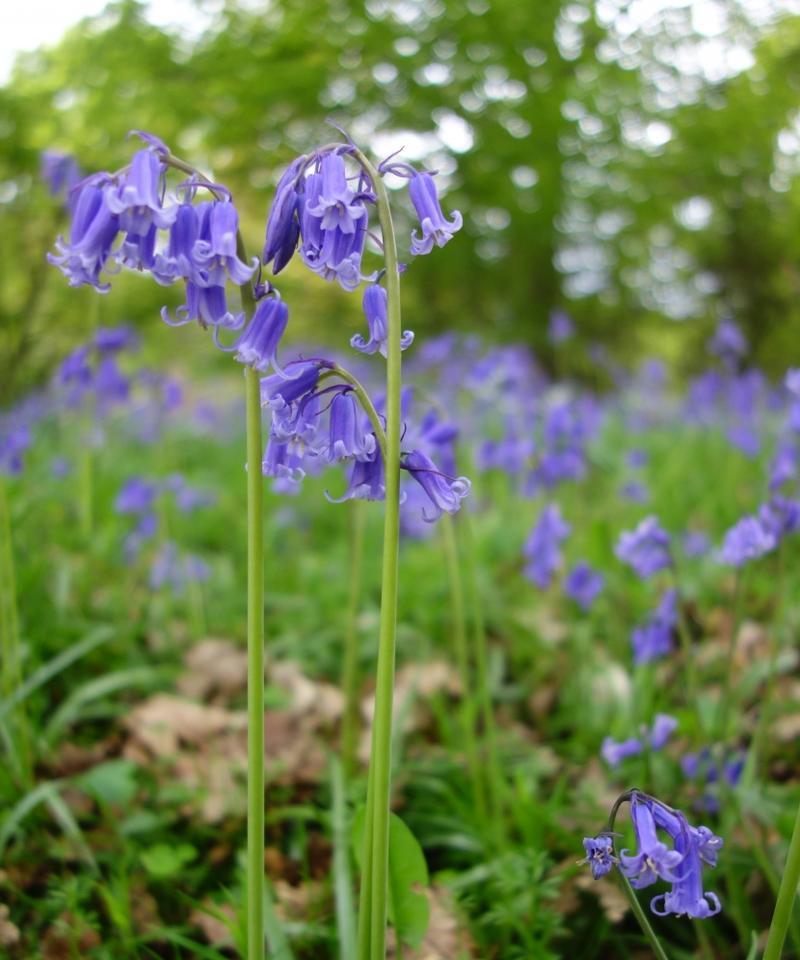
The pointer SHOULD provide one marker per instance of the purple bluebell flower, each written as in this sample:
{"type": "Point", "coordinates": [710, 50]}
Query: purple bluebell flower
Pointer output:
{"type": "Point", "coordinates": [645, 549]}
{"type": "Point", "coordinates": [114, 339]}
{"type": "Point", "coordinates": [207, 305]}
{"type": "Point", "coordinates": [560, 327]}
{"type": "Point", "coordinates": [653, 639]}
{"type": "Point", "coordinates": [444, 493]}
{"type": "Point", "coordinates": [583, 585]}
{"type": "Point", "coordinates": [283, 224]}
{"type": "Point", "coordinates": [137, 196]}
{"type": "Point", "coordinates": [257, 346]}
{"type": "Point", "coordinates": [283, 460]}
{"type": "Point", "coordinates": [92, 234]}
{"type": "Point", "coordinates": [637, 458]}
{"type": "Point", "coordinates": [178, 262]}
{"type": "Point", "coordinates": [60, 172]}
{"type": "Point", "coordinates": [333, 252]}
{"type": "Point", "coordinates": [780, 516]}
{"type": "Point", "coordinates": [615, 751]}
{"type": "Point", "coordinates": [783, 467]}
{"type": "Point", "coordinates": [541, 549]}
{"type": "Point", "coordinates": [375, 306]}
{"type": "Point", "coordinates": [599, 855]}
{"type": "Point", "coordinates": [171, 568]}
{"type": "Point", "coordinates": [744, 437]}
{"type": "Point", "coordinates": [435, 228]}
{"type": "Point", "coordinates": [14, 441]}
{"type": "Point", "coordinates": [728, 342]}
{"type": "Point", "coordinates": [746, 540]}
{"type": "Point", "coordinates": [348, 438]}
{"type": "Point", "coordinates": [792, 382]}
{"type": "Point", "coordinates": [111, 387]}
{"type": "Point", "coordinates": [680, 864]}
{"type": "Point", "coordinates": [214, 252]}
{"type": "Point", "coordinates": [335, 204]}
{"type": "Point", "coordinates": [663, 727]}
{"type": "Point", "coordinates": [366, 481]}
{"type": "Point", "coordinates": [136, 496]}
{"type": "Point", "coordinates": [687, 897]}
{"type": "Point", "coordinates": [653, 859]}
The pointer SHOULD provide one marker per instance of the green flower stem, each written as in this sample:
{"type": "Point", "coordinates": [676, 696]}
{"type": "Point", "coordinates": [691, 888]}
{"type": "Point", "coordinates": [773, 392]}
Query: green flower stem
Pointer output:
{"type": "Point", "coordinates": [786, 894]}
{"type": "Point", "coordinates": [350, 666]}
{"type": "Point", "coordinates": [373, 907]}
{"type": "Point", "coordinates": [255, 669]}
{"type": "Point", "coordinates": [641, 917]}
{"type": "Point", "coordinates": [447, 528]}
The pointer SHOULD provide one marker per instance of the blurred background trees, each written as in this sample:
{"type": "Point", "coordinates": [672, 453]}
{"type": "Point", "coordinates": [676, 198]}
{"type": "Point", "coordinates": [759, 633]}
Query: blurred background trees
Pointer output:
{"type": "Point", "coordinates": [638, 169]}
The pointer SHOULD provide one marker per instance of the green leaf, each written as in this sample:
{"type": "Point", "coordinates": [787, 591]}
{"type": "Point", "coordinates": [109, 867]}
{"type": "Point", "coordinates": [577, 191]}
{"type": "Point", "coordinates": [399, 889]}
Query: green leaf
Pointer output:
{"type": "Point", "coordinates": [112, 783]}
{"type": "Point", "coordinates": [164, 862]}
{"type": "Point", "coordinates": [409, 909]}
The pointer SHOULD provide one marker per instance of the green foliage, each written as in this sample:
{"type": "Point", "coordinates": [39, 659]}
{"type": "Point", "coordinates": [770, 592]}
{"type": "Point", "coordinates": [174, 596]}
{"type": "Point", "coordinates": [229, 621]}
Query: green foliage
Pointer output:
{"type": "Point", "coordinates": [536, 115]}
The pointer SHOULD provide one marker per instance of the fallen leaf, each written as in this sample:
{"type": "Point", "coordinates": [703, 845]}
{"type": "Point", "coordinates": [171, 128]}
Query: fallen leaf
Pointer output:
{"type": "Point", "coordinates": [214, 667]}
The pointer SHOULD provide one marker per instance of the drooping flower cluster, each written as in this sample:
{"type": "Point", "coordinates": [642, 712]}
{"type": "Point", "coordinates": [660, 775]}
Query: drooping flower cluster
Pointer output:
{"type": "Point", "coordinates": [667, 848]}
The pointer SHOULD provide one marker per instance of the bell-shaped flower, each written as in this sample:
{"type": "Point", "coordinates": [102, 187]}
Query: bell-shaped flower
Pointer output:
{"type": "Point", "coordinates": [348, 438]}
{"type": "Point", "coordinates": [375, 303]}
{"type": "Point", "coordinates": [258, 345]}
{"type": "Point", "coordinates": [283, 224]}
{"type": "Point", "coordinates": [435, 228]}
{"type": "Point", "coordinates": [92, 233]}
{"type": "Point", "coordinates": [215, 254]}
{"type": "Point", "coordinates": [335, 204]}
{"type": "Point", "coordinates": [137, 197]}
{"type": "Point", "coordinates": [653, 858]}
{"type": "Point", "coordinates": [444, 493]}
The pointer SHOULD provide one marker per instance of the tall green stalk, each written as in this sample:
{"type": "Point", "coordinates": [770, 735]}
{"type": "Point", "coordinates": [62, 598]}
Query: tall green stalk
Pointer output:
{"type": "Point", "coordinates": [255, 672]}
{"type": "Point", "coordinates": [374, 887]}
{"type": "Point", "coordinates": [786, 894]}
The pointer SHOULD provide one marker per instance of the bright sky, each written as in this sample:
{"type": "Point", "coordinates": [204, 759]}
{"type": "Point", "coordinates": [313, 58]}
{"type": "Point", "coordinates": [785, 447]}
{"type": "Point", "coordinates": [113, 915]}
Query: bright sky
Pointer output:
{"type": "Point", "coordinates": [36, 23]}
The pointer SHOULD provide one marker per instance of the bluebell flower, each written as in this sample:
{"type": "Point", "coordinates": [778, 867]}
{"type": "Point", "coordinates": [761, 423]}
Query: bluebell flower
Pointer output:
{"type": "Point", "coordinates": [680, 865]}
{"type": "Point", "coordinates": [645, 549]}
{"type": "Point", "coordinates": [257, 346]}
{"type": "Point", "coordinates": [92, 233]}
{"type": "Point", "coordinates": [348, 438]}
{"type": "Point", "coordinates": [60, 172]}
{"type": "Point", "coordinates": [542, 548]}
{"type": "Point", "coordinates": [111, 387]}
{"type": "Point", "coordinates": [599, 855]}
{"type": "Point", "coordinates": [366, 482]}
{"type": "Point", "coordinates": [14, 441]}
{"type": "Point", "coordinates": [728, 342]}
{"type": "Point", "coordinates": [637, 458]}
{"type": "Point", "coordinates": [583, 585]}
{"type": "Point", "coordinates": [334, 203]}
{"type": "Point", "coordinates": [746, 540]}
{"type": "Point", "coordinates": [136, 496]}
{"type": "Point", "coordinates": [779, 516]}
{"type": "Point", "coordinates": [560, 327]}
{"type": "Point", "coordinates": [663, 727]}
{"type": "Point", "coordinates": [653, 859]}
{"type": "Point", "coordinates": [615, 751]}
{"type": "Point", "coordinates": [435, 228]}
{"type": "Point", "coordinates": [178, 262]}
{"type": "Point", "coordinates": [171, 568]}
{"type": "Point", "coordinates": [283, 460]}
{"type": "Point", "coordinates": [114, 339]}
{"type": "Point", "coordinates": [214, 252]}
{"type": "Point", "coordinates": [137, 196]}
{"type": "Point", "coordinates": [283, 224]}
{"type": "Point", "coordinates": [744, 437]}
{"type": "Point", "coordinates": [444, 493]}
{"type": "Point", "coordinates": [375, 310]}
{"type": "Point", "coordinates": [783, 466]}
{"type": "Point", "coordinates": [334, 253]}
{"type": "Point", "coordinates": [635, 491]}
{"type": "Point", "coordinates": [653, 639]}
